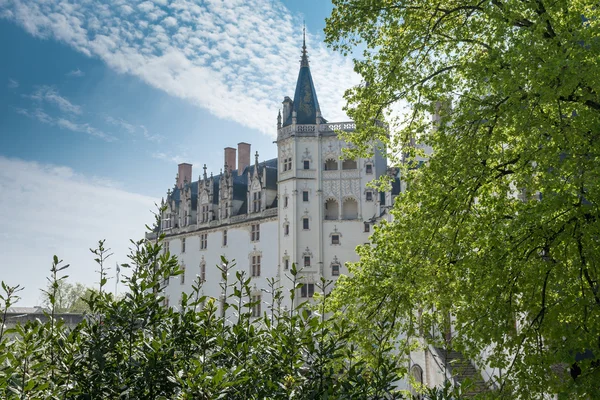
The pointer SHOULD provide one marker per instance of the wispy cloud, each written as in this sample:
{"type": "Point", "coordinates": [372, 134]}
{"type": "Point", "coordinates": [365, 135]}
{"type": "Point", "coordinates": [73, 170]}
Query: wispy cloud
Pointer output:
{"type": "Point", "coordinates": [78, 211]}
{"type": "Point", "coordinates": [175, 158]}
{"type": "Point", "coordinates": [133, 129]}
{"type": "Point", "coordinates": [76, 73]}
{"type": "Point", "coordinates": [50, 94]}
{"type": "Point", "coordinates": [65, 123]}
{"type": "Point", "coordinates": [236, 59]}
{"type": "Point", "coordinates": [13, 84]}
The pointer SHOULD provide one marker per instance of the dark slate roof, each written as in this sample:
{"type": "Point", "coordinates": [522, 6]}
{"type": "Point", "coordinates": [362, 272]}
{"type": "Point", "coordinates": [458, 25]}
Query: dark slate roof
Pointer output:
{"type": "Point", "coordinates": [271, 178]}
{"type": "Point", "coordinates": [240, 184]}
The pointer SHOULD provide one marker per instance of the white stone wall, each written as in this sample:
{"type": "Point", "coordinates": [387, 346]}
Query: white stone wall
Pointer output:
{"type": "Point", "coordinates": [239, 248]}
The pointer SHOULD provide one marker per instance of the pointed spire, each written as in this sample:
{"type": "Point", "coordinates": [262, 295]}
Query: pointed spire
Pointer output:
{"type": "Point", "coordinates": [304, 59]}
{"type": "Point", "coordinates": [204, 171]}
{"type": "Point", "coordinates": [256, 159]}
{"type": "Point", "coordinates": [279, 119]}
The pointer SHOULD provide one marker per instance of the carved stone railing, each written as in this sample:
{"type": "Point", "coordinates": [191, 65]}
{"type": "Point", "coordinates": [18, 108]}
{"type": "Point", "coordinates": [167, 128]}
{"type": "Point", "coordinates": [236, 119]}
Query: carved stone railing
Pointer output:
{"type": "Point", "coordinates": [337, 126]}
{"type": "Point", "coordinates": [312, 129]}
{"type": "Point", "coordinates": [306, 174]}
{"type": "Point", "coordinates": [270, 212]}
{"type": "Point", "coordinates": [350, 173]}
{"type": "Point", "coordinates": [238, 218]}
{"type": "Point", "coordinates": [335, 174]}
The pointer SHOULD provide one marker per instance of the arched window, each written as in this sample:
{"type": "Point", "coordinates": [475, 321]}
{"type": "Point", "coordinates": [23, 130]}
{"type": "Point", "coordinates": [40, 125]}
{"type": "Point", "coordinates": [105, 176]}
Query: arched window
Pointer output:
{"type": "Point", "coordinates": [349, 164]}
{"type": "Point", "coordinates": [332, 209]}
{"type": "Point", "coordinates": [331, 164]}
{"type": "Point", "coordinates": [416, 373]}
{"type": "Point", "coordinates": [350, 209]}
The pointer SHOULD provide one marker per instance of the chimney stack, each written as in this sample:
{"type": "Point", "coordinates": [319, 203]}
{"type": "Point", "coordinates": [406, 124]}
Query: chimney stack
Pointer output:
{"type": "Point", "coordinates": [243, 156]}
{"type": "Point", "coordinates": [184, 174]}
{"type": "Point", "coordinates": [230, 158]}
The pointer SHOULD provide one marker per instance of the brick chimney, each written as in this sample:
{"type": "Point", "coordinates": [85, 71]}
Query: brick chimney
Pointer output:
{"type": "Point", "coordinates": [230, 157]}
{"type": "Point", "coordinates": [184, 174]}
{"type": "Point", "coordinates": [243, 156]}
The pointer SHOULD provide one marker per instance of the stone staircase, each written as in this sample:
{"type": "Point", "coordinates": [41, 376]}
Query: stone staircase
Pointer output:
{"type": "Point", "coordinates": [463, 372]}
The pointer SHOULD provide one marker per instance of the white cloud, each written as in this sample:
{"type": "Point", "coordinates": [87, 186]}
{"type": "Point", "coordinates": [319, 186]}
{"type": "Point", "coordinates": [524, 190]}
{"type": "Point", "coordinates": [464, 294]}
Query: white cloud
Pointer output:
{"type": "Point", "coordinates": [236, 59]}
{"type": "Point", "coordinates": [49, 209]}
{"type": "Point", "coordinates": [51, 95]}
{"type": "Point", "coordinates": [176, 158]}
{"type": "Point", "coordinates": [133, 129]}
{"type": "Point", "coordinates": [13, 84]}
{"type": "Point", "coordinates": [76, 73]}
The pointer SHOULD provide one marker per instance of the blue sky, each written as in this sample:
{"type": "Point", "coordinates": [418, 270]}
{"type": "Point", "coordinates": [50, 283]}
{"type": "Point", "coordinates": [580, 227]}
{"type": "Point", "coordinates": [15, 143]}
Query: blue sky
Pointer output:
{"type": "Point", "coordinates": [98, 104]}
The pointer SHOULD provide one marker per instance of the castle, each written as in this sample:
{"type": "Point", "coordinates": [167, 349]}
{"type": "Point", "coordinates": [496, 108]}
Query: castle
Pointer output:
{"type": "Point", "coordinates": [308, 206]}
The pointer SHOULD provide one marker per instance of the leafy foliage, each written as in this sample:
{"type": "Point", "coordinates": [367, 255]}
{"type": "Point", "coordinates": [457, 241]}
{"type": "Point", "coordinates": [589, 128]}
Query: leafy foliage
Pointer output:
{"type": "Point", "coordinates": [136, 348]}
{"type": "Point", "coordinates": [499, 231]}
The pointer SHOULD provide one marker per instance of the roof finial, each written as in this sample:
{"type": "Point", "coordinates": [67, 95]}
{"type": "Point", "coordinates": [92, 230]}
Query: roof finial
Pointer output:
{"type": "Point", "coordinates": [304, 59]}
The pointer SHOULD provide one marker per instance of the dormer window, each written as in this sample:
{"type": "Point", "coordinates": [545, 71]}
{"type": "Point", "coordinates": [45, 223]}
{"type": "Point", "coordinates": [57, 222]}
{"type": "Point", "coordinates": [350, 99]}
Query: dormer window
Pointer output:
{"type": "Point", "coordinates": [256, 201]}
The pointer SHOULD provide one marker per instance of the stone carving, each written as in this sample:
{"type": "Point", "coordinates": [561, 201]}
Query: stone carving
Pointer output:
{"type": "Point", "coordinates": [331, 189]}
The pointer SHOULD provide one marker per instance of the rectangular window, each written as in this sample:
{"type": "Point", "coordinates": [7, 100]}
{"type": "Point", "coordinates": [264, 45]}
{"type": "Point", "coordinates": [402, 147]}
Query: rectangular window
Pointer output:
{"type": "Point", "coordinates": [166, 246]}
{"type": "Point", "coordinates": [203, 241]}
{"type": "Point", "coordinates": [367, 227]}
{"type": "Point", "coordinates": [255, 232]}
{"type": "Point", "coordinates": [286, 264]}
{"type": "Point", "coordinates": [256, 201]}
{"type": "Point", "coordinates": [255, 266]}
{"type": "Point", "coordinates": [286, 229]}
{"type": "Point", "coordinates": [335, 239]}
{"type": "Point", "coordinates": [305, 195]}
{"type": "Point", "coordinates": [369, 196]}
{"type": "Point", "coordinates": [225, 237]}
{"type": "Point", "coordinates": [182, 276]}
{"type": "Point", "coordinates": [307, 261]}
{"type": "Point", "coordinates": [305, 225]}
{"type": "Point", "coordinates": [285, 201]}
{"type": "Point", "coordinates": [183, 245]}
{"type": "Point", "coordinates": [307, 290]}
{"type": "Point", "coordinates": [205, 213]}
{"type": "Point", "coordinates": [306, 164]}
{"type": "Point", "coordinates": [369, 168]}
{"type": "Point", "coordinates": [335, 269]}
{"type": "Point", "coordinates": [289, 163]}
{"type": "Point", "coordinates": [256, 305]}
{"type": "Point", "coordinates": [203, 272]}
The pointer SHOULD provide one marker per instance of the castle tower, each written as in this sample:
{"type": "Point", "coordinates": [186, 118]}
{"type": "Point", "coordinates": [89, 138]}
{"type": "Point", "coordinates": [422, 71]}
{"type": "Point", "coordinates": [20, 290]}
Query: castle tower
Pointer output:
{"type": "Point", "coordinates": [323, 200]}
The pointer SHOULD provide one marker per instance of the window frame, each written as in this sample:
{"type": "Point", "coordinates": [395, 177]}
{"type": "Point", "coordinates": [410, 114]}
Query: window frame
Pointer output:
{"type": "Point", "coordinates": [255, 232]}
{"type": "Point", "coordinates": [307, 291]}
{"type": "Point", "coordinates": [305, 224]}
{"type": "Point", "coordinates": [335, 239]}
{"type": "Point", "coordinates": [255, 265]}
{"type": "Point", "coordinates": [306, 164]}
{"type": "Point", "coordinates": [305, 196]}
{"type": "Point", "coordinates": [335, 269]}
{"type": "Point", "coordinates": [182, 245]}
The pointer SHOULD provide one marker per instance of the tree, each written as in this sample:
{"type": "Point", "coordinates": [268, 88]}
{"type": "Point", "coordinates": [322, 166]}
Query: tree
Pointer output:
{"type": "Point", "coordinates": [499, 231]}
{"type": "Point", "coordinates": [70, 297]}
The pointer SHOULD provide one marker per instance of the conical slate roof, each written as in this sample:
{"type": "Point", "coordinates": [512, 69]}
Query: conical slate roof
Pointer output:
{"type": "Point", "coordinates": [306, 104]}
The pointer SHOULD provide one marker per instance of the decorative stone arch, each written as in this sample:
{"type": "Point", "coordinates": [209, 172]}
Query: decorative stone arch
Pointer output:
{"type": "Point", "coordinates": [349, 164]}
{"type": "Point", "coordinates": [416, 373]}
{"type": "Point", "coordinates": [331, 164]}
{"type": "Point", "coordinates": [349, 208]}
{"type": "Point", "coordinates": [332, 208]}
